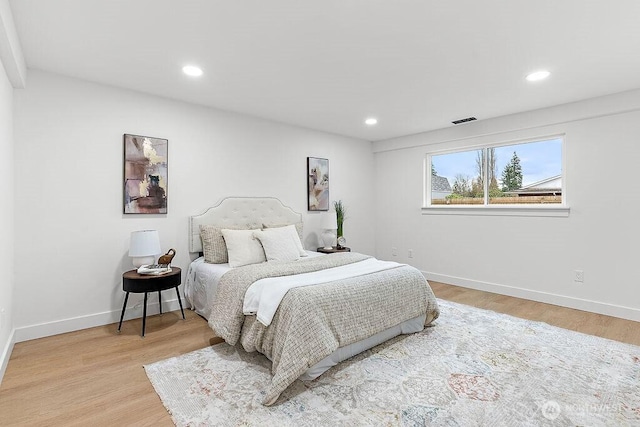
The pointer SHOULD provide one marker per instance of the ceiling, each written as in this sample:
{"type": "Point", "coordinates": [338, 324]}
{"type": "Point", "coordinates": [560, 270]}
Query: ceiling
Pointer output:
{"type": "Point", "coordinates": [416, 65]}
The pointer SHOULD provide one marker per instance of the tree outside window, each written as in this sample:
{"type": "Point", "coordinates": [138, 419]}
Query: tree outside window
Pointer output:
{"type": "Point", "coordinates": [531, 173]}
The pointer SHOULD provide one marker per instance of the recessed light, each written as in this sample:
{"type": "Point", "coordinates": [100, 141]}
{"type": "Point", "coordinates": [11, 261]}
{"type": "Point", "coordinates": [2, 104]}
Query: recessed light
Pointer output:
{"type": "Point", "coordinates": [538, 75]}
{"type": "Point", "coordinates": [371, 121]}
{"type": "Point", "coordinates": [192, 70]}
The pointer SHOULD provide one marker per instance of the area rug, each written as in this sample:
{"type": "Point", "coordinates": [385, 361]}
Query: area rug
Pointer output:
{"type": "Point", "coordinates": [472, 368]}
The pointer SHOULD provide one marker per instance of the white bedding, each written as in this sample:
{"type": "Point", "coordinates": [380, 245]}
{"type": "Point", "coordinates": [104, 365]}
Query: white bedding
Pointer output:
{"type": "Point", "coordinates": [200, 290]}
{"type": "Point", "coordinates": [264, 296]}
{"type": "Point", "coordinates": [202, 282]}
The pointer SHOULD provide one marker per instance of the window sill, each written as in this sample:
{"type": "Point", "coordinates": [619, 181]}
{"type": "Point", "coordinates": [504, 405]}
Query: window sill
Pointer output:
{"type": "Point", "coordinates": [494, 210]}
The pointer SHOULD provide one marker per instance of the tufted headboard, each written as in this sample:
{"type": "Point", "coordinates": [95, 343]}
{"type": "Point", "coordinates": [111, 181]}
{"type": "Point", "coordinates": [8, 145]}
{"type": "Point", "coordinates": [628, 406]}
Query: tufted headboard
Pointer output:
{"type": "Point", "coordinates": [238, 212]}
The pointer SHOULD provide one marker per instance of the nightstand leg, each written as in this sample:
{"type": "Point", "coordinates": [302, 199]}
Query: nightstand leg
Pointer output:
{"type": "Point", "coordinates": [144, 314]}
{"type": "Point", "coordinates": [124, 306]}
{"type": "Point", "coordinates": [160, 302]}
{"type": "Point", "coordinates": [180, 301]}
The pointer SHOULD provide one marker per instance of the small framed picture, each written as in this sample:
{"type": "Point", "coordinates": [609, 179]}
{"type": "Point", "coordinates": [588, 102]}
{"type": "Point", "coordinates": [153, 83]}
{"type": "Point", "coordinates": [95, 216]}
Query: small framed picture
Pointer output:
{"type": "Point", "coordinates": [145, 175]}
{"type": "Point", "coordinates": [318, 184]}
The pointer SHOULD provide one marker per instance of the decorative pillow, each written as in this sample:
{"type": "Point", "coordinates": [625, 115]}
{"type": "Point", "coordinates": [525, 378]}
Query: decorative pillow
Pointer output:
{"type": "Point", "coordinates": [214, 248]}
{"type": "Point", "coordinates": [298, 226]}
{"type": "Point", "coordinates": [296, 232]}
{"type": "Point", "coordinates": [279, 243]}
{"type": "Point", "coordinates": [242, 247]}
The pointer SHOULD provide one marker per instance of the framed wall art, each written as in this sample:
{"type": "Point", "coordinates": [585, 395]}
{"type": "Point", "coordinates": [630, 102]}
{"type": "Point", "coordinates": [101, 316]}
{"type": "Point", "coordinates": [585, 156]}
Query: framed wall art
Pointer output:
{"type": "Point", "coordinates": [318, 184]}
{"type": "Point", "coordinates": [145, 175]}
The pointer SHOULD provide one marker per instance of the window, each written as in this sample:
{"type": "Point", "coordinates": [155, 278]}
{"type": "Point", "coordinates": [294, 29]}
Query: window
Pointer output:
{"type": "Point", "coordinates": [525, 174]}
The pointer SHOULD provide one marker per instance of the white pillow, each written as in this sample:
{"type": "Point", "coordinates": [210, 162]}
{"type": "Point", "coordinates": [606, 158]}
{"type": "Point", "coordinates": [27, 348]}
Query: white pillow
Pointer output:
{"type": "Point", "coordinates": [242, 247]}
{"type": "Point", "coordinates": [294, 230]}
{"type": "Point", "coordinates": [214, 248]}
{"type": "Point", "coordinates": [297, 225]}
{"type": "Point", "coordinates": [280, 244]}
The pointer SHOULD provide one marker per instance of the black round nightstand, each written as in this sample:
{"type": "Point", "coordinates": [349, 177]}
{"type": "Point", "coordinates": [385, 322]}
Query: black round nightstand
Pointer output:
{"type": "Point", "coordinates": [139, 283]}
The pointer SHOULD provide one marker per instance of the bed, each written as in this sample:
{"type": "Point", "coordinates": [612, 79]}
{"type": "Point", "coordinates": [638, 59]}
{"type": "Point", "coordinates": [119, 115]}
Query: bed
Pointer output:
{"type": "Point", "coordinates": [259, 288]}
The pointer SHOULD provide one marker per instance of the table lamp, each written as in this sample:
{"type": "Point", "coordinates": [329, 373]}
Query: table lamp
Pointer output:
{"type": "Point", "coordinates": [144, 246]}
{"type": "Point", "coordinates": [329, 223]}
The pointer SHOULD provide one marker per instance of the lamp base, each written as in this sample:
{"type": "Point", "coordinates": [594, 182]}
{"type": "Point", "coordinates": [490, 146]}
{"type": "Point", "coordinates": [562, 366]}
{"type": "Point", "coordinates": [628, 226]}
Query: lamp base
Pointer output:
{"type": "Point", "coordinates": [328, 239]}
{"type": "Point", "coordinates": [142, 260]}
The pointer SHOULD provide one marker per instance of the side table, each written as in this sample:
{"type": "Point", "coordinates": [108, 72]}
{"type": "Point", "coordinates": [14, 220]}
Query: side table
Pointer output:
{"type": "Point", "coordinates": [333, 250]}
{"type": "Point", "coordinates": [139, 283]}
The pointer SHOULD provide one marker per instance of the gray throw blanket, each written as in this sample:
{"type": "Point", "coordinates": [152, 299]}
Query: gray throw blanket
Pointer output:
{"type": "Point", "coordinates": [313, 321]}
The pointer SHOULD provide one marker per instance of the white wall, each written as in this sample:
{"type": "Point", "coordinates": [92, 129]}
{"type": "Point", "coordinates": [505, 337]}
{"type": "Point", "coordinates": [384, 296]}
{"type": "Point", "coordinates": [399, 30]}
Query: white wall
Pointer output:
{"type": "Point", "coordinates": [6, 220]}
{"type": "Point", "coordinates": [71, 243]}
{"type": "Point", "coordinates": [529, 257]}
{"type": "Point", "coordinates": [71, 248]}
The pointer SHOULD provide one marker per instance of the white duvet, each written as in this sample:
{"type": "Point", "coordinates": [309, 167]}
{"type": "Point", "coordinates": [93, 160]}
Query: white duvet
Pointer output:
{"type": "Point", "coordinates": [202, 280]}
{"type": "Point", "coordinates": [264, 296]}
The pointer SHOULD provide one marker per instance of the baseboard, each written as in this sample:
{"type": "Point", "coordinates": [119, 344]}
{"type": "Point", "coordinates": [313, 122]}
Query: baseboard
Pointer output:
{"type": "Point", "coordinates": [549, 298]}
{"type": "Point", "coordinates": [47, 329]}
{"type": "Point", "coordinates": [6, 354]}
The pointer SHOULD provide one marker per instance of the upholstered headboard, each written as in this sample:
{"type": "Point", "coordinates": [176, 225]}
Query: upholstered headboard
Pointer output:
{"type": "Point", "coordinates": [238, 212]}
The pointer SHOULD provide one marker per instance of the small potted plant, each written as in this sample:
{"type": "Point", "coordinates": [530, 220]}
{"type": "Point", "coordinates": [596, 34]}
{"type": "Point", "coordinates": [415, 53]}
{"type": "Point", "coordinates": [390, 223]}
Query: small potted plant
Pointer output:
{"type": "Point", "coordinates": [340, 215]}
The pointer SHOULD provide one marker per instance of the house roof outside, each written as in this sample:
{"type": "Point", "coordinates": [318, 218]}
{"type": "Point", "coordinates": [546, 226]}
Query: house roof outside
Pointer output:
{"type": "Point", "coordinates": [553, 182]}
{"type": "Point", "coordinates": [552, 185]}
{"type": "Point", "coordinates": [440, 183]}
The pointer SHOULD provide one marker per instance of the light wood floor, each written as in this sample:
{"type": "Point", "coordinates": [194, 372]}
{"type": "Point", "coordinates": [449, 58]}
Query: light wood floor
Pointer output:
{"type": "Point", "coordinates": [95, 377]}
{"type": "Point", "coordinates": [575, 320]}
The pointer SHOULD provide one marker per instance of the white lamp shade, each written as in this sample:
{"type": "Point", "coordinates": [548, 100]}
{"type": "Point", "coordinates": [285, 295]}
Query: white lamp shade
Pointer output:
{"type": "Point", "coordinates": [144, 246]}
{"type": "Point", "coordinates": [330, 221]}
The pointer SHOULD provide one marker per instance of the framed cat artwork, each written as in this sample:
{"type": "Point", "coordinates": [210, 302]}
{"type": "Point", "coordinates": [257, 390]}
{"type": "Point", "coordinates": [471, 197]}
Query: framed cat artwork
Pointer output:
{"type": "Point", "coordinates": [145, 175]}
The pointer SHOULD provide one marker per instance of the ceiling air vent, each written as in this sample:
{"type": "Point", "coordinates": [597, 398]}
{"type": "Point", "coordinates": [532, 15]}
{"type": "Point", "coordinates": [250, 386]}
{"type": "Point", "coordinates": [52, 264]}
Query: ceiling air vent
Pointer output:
{"type": "Point", "coordinates": [468, 119]}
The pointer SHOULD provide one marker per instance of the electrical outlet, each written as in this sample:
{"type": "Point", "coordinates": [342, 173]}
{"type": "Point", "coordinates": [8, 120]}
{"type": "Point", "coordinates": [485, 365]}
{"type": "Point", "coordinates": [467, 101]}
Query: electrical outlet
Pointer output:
{"type": "Point", "coordinates": [578, 276]}
{"type": "Point", "coordinates": [394, 251]}
{"type": "Point", "coordinates": [1, 318]}
{"type": "Point", "coordinates": [410, 253]}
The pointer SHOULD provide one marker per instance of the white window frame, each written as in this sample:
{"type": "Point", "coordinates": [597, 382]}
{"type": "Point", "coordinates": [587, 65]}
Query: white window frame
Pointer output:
{"type": "Point", "coordinates": [541, 210]}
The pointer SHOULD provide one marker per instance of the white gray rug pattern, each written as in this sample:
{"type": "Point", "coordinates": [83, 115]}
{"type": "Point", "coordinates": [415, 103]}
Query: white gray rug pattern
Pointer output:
{"type": "Point", "coordinates": [473, 368]}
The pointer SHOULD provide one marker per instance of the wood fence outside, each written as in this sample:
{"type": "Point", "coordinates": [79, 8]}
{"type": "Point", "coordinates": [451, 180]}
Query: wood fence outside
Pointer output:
{"type": "Point", "coordinates": [528, 200]}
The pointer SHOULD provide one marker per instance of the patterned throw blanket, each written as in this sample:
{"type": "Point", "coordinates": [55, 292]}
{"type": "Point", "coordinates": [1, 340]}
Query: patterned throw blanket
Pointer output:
{"type": "Point", "coordinates": [313, 321]}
